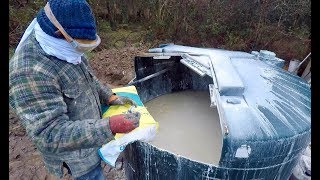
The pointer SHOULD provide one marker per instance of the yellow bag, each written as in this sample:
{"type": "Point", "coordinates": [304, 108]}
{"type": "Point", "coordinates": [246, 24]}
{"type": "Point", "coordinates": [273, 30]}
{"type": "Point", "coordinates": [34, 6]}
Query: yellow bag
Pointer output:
{"type": "Point", "coordinates": [131, 92]}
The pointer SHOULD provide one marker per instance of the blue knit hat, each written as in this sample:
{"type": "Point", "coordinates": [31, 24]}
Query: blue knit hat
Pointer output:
{"type": "Point", "coordinates": [75, 16]}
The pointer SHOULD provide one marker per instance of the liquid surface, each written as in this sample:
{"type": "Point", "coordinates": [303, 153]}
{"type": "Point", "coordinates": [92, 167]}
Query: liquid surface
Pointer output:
{"type": "Point", "coordinates": [187, 125]}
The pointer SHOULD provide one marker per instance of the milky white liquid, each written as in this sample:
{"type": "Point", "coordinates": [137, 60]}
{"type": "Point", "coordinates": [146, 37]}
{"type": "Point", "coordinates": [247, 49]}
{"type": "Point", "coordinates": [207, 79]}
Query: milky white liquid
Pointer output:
{"type": "Point", "coordinates": [187, 125]}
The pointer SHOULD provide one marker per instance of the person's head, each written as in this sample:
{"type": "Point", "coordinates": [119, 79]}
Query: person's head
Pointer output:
{"type": "Point", "coordinates": [72, 20]}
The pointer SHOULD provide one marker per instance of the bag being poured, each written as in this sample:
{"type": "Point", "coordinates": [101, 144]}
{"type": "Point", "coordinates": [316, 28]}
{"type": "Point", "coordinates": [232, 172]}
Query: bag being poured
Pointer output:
{"type": "Point", "coordinates": [145, 132]}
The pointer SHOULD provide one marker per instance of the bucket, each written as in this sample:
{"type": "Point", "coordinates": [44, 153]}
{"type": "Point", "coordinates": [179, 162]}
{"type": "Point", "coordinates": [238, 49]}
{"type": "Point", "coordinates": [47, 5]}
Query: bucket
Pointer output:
{"type": "Point", "coordinates": [293, 66]}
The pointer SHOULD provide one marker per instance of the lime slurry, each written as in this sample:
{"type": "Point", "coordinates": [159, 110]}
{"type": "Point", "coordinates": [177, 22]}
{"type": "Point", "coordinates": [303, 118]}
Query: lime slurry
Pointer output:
{"type": "Point", "coordinates": [187, 125]}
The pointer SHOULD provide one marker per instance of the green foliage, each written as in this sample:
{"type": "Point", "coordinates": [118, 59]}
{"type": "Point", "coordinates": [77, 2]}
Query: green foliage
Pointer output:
{"type": "Point", "coordinates": [278, 25]}
{"type": "Point", "coordinates": [235, 41]}
{"type": "Point", "coordinates": [21, 14]}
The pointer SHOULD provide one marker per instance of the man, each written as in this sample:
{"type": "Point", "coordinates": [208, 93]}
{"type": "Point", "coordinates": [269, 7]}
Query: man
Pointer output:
{"type": "Point", "coordinates": [55, 94]}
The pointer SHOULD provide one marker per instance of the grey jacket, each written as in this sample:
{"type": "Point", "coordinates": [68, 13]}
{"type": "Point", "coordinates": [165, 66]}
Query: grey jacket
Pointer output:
{"type": "Point", "coordinates": [59, 105]}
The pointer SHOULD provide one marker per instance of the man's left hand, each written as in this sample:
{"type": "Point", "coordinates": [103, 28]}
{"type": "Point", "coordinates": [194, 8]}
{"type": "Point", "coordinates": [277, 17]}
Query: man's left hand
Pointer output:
{"type": "Point", "coordinates": [121, 100]}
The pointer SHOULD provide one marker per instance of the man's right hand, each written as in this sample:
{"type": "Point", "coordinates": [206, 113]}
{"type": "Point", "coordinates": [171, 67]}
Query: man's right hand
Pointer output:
{"type": "Point", "coordinates": [124, 123]}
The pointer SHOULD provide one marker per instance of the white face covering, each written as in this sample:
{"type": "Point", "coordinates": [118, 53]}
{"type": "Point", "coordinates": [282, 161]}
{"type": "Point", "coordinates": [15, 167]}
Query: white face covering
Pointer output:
{"type": "Point", "coordinates": [59, 48]}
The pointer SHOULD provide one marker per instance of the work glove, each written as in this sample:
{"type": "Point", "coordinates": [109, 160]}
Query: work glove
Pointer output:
{"type": "Point", "coordinates": [121, 100]}
{"type": "Point", "coordinates": [124, 123]}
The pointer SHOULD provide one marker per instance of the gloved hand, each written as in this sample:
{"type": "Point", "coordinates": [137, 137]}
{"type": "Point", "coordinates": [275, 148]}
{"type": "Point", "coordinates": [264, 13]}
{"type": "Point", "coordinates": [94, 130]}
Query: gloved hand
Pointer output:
{"type": "Point", "coordinates": [121, 100]}
{"type": "Point", "coordinates": [124, 123]}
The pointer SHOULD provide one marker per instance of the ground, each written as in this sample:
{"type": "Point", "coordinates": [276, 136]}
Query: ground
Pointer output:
{"type": "Point", "coordinates": [113, 67]}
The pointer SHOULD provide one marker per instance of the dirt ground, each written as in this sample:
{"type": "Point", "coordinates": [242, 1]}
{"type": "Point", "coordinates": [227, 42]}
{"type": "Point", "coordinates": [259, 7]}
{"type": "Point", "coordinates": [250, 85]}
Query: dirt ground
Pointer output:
{"type": "Point", "coordinates": [113, 67]}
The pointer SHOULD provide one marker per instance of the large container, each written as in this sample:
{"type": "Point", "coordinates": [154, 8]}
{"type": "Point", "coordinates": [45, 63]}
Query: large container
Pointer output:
{"type": "Point", "coordinates": [264, 132]}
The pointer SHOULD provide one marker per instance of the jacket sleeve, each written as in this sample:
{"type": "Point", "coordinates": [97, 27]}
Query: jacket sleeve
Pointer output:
{"type": "Point", "coordinates": [37, 100]}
